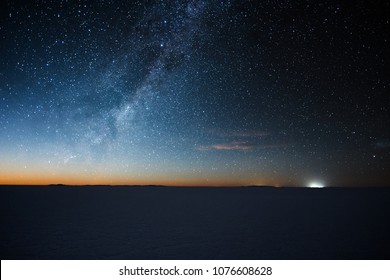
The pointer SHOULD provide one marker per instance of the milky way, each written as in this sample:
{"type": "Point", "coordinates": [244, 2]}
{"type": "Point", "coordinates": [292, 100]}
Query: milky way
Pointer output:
{"type": "Point", "coordinates": [194, 92]}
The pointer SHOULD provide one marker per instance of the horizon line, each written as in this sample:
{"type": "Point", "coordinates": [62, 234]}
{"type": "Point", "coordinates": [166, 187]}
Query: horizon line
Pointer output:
{"type": "Point", "coordinates": [189, 186]}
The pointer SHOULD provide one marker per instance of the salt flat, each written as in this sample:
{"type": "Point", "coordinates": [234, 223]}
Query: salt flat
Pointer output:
{"type": "Point", "coordinates": [102, 222]}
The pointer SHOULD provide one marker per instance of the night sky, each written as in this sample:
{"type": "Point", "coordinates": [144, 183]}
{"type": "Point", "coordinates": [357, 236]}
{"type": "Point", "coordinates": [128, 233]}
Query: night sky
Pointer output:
{"type": "Point", "coordinates": [195, 92]}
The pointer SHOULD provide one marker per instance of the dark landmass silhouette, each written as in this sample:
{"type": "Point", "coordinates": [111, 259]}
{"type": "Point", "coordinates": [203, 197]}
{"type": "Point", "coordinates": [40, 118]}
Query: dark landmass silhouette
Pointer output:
{"type": "Point", "coordinates": [159, 222]}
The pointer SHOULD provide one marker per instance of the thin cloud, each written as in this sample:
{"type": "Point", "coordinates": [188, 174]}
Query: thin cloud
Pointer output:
{"type": "Point", "coordinates": [240, 140]}
{"type": "Point", "coordinates": [240, 134]}
{"type": "Point", "coordinates": [240, 146]}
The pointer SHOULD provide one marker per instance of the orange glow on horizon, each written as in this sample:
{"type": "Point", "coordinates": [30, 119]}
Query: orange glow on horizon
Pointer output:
{"type": "Point", "coordinates": [38, 175]}
{"type": "Point", "coordinates": [49, 179]}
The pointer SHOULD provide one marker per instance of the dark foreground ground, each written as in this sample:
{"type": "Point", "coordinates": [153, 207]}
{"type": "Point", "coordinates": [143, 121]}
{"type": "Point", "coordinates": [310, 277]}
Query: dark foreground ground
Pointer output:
{"type": "Point", "coordinates": [193, 223]}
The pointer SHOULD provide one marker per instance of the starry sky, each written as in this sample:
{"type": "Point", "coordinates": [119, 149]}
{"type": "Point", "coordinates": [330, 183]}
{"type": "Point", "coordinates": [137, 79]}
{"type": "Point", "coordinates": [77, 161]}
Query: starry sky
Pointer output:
{"type": "Point", "coordinates": [193, 92]}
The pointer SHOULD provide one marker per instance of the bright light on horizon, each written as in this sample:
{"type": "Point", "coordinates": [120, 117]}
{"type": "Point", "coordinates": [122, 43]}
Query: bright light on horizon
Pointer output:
{"type": "Point", "coordinates": [316, 185]}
